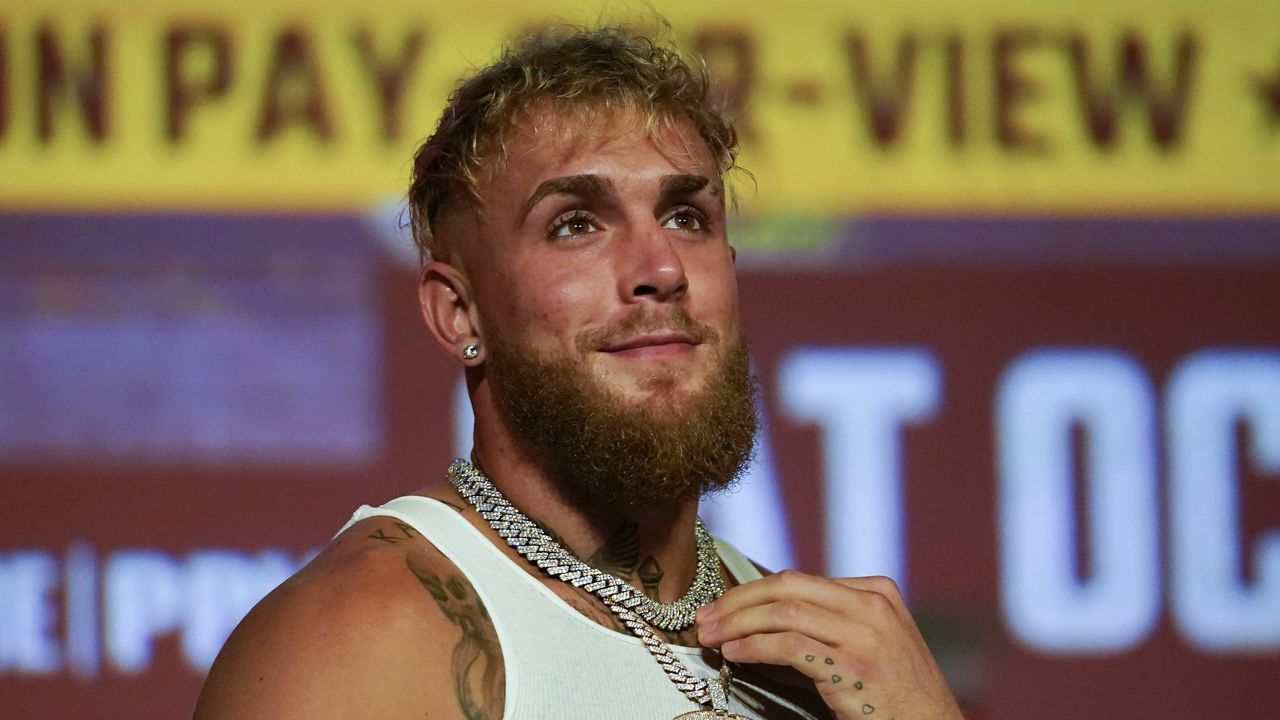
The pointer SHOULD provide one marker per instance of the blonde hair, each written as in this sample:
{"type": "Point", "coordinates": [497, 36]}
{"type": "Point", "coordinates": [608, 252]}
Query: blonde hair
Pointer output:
{"type": "Point", "coordinates": [575, 70]}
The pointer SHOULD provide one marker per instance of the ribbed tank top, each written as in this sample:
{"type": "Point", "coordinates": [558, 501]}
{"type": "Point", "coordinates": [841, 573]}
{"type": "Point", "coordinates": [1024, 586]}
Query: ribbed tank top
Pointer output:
{"type": "Point", "coordinates": [559, 663]}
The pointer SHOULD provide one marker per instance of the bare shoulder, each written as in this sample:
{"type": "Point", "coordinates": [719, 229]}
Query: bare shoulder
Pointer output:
{"type": "Point", "coordinates": [379, 624]}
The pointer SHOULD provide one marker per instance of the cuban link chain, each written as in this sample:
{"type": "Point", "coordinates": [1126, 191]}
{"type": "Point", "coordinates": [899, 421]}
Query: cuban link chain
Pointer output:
{"type": "Point", "coordinates": [697, 689]}
{"type": "Point", "coordinates": [530, 541]}
{"type": "Point", "coordinates": [619, 596]}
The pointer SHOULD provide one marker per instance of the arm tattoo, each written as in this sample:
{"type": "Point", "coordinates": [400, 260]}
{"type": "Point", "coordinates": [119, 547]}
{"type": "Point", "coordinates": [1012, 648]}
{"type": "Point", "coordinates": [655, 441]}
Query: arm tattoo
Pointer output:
{"type": "Point", "coordinates": [406, 533]}
{"type": "Point", "coordinates": [479, 677]}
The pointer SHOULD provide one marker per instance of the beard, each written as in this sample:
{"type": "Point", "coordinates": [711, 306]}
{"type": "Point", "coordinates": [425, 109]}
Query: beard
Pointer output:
{"type": "Point", "coordinates": [603, 449]}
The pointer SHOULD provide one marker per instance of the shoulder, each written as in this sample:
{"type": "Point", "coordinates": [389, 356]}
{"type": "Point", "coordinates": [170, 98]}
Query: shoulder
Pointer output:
{"type": "Point", "coordinates": [368, 628]}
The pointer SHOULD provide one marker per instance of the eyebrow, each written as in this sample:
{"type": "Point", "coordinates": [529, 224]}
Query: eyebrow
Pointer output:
{"type": "Point", "coordinates": [585, 185]}
{"type": "Point", "coordinates": [678, 185]}
{"type": "Point", "coordinates": [589, 185]}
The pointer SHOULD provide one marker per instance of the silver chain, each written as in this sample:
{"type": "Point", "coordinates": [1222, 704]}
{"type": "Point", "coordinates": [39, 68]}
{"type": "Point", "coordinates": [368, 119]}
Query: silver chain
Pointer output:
{"type": "Point", "coordinates": [530, 541]}
{"type": "Point", "coordinates": [623, 599]}
{"type": "Point", "coordinates": [697, 689]}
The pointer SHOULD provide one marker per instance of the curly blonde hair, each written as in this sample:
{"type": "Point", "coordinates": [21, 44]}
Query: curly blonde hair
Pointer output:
{"type": "Point", "coordinates": [574, 69]}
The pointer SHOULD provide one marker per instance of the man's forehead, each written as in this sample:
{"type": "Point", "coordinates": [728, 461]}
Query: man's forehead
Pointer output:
{"type": "Point", "coordinates": [549, 139]}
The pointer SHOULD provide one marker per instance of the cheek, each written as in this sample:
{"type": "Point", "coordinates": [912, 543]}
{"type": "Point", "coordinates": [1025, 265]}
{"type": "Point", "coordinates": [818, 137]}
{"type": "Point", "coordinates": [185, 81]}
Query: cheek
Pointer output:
{"type": "Point", "coordinates": [559, 301]}
{"type": "Point", "coordinates": [718, 283]}
{"type": "Point", "coordinates": [549, 313]}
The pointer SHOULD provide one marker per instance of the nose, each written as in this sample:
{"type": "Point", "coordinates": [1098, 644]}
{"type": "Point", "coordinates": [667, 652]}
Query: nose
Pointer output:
{"type": "Point", "coordinates": [654, 269]}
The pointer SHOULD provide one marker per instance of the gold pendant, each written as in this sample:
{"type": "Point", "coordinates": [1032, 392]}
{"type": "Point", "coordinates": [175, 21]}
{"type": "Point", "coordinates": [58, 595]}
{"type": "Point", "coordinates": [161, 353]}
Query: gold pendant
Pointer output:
{"type": "Point", "coordinates": [710, 715]}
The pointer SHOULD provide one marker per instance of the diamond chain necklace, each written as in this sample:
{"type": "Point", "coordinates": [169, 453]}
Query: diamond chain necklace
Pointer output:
{"type": "Point", "coordinates": [631, 606]}
{"type": "Point", "coordinates": [538, 548]}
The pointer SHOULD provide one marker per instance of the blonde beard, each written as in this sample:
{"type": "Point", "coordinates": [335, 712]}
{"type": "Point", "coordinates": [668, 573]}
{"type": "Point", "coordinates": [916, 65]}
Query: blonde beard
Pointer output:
{"type": "Point", "coordinates": [604, 449]}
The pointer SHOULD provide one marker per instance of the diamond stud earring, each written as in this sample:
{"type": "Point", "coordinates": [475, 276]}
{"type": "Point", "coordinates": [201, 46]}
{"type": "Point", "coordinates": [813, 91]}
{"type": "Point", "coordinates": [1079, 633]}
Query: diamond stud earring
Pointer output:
{"type": "Point", "coordinates": [470, 351]}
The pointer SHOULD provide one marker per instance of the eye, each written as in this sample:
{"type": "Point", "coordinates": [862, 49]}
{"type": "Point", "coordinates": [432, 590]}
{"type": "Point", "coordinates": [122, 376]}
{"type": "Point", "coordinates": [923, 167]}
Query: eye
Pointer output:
{"type": "Point", "coordinates": [572, 224]}
{"type": "Point", "coordinates": [685, 218]}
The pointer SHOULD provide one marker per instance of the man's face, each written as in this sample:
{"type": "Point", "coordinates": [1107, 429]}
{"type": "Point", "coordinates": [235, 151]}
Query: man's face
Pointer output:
{"type": "Point", "coordinates": [604, 284]}
{"type": "Point", "coordinates": [601, 249]}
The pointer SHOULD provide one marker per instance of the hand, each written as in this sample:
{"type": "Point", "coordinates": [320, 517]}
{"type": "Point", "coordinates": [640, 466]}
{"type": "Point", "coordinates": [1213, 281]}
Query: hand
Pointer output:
{"type": "Point", "coordinates": [853, 637]}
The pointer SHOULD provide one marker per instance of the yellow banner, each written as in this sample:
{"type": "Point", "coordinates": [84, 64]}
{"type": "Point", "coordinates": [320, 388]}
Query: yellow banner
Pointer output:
{"type": "Point", "coordinates": [1159, 106]}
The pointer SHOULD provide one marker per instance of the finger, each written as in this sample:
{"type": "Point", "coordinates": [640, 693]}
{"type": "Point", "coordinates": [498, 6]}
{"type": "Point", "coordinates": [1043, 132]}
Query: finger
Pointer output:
{"type": "Point", "coordinates": [785, 585]}
{"type": "Point", "coordinates": [775, 617]}
{"type": "Point", "coordinates": [815, 660]}
{"type": "Point", "coordinates": [884, 587]}
{"type": "Point", "coordinates": [868, 596]}
{"type": "Point", "coordinates": [830, 670]}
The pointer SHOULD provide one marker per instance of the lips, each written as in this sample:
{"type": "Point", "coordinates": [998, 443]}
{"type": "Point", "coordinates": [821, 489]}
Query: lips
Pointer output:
{"type": "Point", "coordinates": [667, 339]}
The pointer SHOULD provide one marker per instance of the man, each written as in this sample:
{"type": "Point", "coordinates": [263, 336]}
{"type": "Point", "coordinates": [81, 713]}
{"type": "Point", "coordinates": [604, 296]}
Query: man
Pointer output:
{"type": "Point", "coordinates": [571, 213]}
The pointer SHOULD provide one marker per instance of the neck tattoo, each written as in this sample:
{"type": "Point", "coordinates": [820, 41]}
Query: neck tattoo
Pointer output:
{"type": "Point", "coordinates": [632, 607]}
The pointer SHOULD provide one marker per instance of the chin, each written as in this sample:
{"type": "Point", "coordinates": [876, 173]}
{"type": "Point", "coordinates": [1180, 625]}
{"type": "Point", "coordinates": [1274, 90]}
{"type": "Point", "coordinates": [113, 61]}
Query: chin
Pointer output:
{"type": "Point", "coordinates": [677, 385]}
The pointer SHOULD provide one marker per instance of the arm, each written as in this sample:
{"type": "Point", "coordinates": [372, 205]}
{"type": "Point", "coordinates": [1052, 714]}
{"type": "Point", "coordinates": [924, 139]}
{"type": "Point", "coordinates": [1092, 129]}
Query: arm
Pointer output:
{"type": "Point", "coordinates": [380, 625]}
{"type": "Point", "coordinates": [853, 637]}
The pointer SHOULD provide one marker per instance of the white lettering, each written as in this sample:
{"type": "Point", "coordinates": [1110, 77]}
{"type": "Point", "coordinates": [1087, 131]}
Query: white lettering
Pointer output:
{"type": "Point", "coordinates": [28, 613]}
{"type": "Point", "coordinates": [862, 398]}
{"type": "Point", "coordinates": [1209, 394]}
{"type": "Point", "coordinates": [1041, 397]}
{"type": "Point", "coordinates": [142, 598]}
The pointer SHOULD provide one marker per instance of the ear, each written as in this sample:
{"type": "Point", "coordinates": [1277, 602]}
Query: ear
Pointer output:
{"type": "Point", "coordinates": [446, 302]}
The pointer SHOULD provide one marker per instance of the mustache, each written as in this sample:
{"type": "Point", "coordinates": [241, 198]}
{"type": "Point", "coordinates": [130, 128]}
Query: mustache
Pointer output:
{"type": "Point", "coordinates": [647, 321]}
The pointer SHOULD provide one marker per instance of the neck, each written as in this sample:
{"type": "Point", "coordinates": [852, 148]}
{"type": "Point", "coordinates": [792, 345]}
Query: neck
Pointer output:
{"type": "Point", "coordinates": [652, 546]}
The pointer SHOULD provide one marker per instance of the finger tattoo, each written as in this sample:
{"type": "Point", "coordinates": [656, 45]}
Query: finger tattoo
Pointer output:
{"type": "Point", "coordinates": [836, 678]}
{"type": "Point", "coordinates": [868, 709]}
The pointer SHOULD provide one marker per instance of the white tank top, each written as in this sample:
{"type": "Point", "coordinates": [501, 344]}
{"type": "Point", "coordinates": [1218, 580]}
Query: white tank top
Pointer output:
{"type": "Point", "coordinates": [560, 664]}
